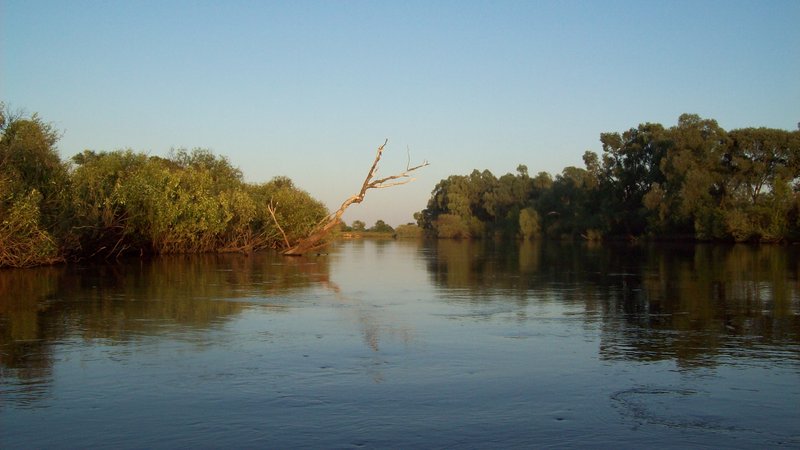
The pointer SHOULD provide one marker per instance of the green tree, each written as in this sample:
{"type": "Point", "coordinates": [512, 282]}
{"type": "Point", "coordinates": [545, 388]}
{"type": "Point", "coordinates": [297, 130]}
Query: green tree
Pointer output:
{"type": "Point", "coordinates": [110, 203]}
{"type": "Point", "coordinates": [694, 179]}
{"type": "Point", "coordinates": [23, 242]}
{"type": "Point", "coordinates": [529, 223]}
{"type": "Point", "coordinates": [103, 220]}
{"type": "Point", "coordinates": [381, 227]}
{"type": "Point", "coordinates": [631, 166]}
{"type": "Point", "coordinates": [34, 193]}
{"type": "Point", "coordinates": [30, 161]}
{"type": "Point", "coordinates": [568, 209]}
{"type": "Point", "coordinates": [191, 202]}
{"type": "Point", "coordinates": [452, 226]}
{"type": "Point", "coordinates": [761, 166]}
{"type": "Point", "coordinates": [408, 231]}
{"type": "Point", "coordinates": [483, 204]}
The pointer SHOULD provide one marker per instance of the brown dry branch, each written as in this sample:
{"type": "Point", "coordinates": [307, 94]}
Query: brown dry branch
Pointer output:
{"type": "Point", "coordinates": [271, 208]}
{"type": "Point", "coordinates": [246, 241]}
{"type": "Point", "coordinates": [316, 238]}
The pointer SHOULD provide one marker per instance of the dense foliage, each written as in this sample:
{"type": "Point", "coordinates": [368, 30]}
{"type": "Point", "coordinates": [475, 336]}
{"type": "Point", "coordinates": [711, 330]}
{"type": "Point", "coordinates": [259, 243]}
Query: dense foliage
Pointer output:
{"type": "Point", "coordinates": [107, 204]}
{"type": "Point", "coordinates": [691, 181]}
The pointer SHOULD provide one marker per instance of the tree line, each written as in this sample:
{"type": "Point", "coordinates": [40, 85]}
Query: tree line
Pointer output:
{"type": "Point", "coordinates": [113, 203]}
{"type": "Point", "coordinates": [692, 181]}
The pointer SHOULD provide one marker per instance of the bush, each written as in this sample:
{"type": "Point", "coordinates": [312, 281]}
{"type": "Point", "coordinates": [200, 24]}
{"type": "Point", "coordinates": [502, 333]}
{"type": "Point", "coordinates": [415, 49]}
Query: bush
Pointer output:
{"type": "Point", "coordinates": [529, 223]}
{"type": "Point", "coordinates": [118, 202]}
{"type": "Point", "coordinates": [193, 202]}
{"type": "Point", "coordinates": [408, 231]}
{"type": "Point", "coordinates": [451, 226]}
{"type": "Point", "coordinates": [29, 161]}
{"type": "Point", "coordinates": [23, 243]}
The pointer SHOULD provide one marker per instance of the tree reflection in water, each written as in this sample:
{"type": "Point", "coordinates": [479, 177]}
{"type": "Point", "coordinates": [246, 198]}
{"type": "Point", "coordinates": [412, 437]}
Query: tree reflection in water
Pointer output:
{"type": "Point", "coordinates": [175, 296]}
{"type": "Point", "coordinates": [379, 342]}
{"type": "Point", "coordinates": [690, 303]}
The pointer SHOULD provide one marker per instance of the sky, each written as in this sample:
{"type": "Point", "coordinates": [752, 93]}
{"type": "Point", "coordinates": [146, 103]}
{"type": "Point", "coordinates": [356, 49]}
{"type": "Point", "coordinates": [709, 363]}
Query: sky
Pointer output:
{"type": "Point", "coordinates": [310, 89]}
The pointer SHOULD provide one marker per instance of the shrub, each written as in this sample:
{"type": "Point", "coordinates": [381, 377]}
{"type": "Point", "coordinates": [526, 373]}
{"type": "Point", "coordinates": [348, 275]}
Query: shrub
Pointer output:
{"type": "Point", "coordinates": [23, 243]}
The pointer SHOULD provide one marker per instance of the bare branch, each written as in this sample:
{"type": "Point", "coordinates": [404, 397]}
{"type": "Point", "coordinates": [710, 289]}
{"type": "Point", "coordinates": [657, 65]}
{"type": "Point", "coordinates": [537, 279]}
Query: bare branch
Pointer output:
{"type": "Point", "coordinates": [316, 238]}
{"type": "Point", "coordinates": [271, 208]}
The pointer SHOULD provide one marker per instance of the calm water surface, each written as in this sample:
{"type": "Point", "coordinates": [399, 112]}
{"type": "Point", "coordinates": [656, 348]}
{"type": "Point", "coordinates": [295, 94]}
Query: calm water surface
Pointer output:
{"type": "Point", "coordinates": [392, 344]}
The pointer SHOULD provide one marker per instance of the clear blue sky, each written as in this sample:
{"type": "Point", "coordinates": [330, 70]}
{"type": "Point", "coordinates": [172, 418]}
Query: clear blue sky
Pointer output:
{"type": "Point", "coordinates": [309, 89]}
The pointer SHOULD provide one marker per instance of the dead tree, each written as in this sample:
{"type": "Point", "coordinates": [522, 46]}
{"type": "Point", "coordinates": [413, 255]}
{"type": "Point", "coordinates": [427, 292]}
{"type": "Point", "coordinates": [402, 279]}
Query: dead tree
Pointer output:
{"type": "Point", "coordinates": [316, 238]}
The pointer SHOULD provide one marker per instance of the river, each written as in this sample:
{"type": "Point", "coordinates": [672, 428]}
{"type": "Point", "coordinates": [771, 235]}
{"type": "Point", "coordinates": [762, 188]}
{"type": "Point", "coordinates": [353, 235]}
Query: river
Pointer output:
{"type": "Point", "coordinates": [401, 344]}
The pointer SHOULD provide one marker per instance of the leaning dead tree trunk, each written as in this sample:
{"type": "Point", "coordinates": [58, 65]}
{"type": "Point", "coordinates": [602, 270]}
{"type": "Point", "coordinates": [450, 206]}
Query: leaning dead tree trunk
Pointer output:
{"type": "Point", "coordinates": [316, 238]}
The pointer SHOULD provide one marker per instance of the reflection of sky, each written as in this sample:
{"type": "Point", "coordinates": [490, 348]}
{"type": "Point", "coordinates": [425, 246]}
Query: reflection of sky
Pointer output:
{"type": "Point", "coordinates": [380, 266]}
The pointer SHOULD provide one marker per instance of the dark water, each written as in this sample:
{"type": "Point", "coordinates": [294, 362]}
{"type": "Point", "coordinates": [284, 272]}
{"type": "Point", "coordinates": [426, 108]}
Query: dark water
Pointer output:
{"type": "Point", "coordinates": [402, 345]}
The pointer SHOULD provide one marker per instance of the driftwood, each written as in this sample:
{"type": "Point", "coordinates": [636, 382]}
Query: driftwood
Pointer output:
{"type": "Point", "coordinates": [316, 238]}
